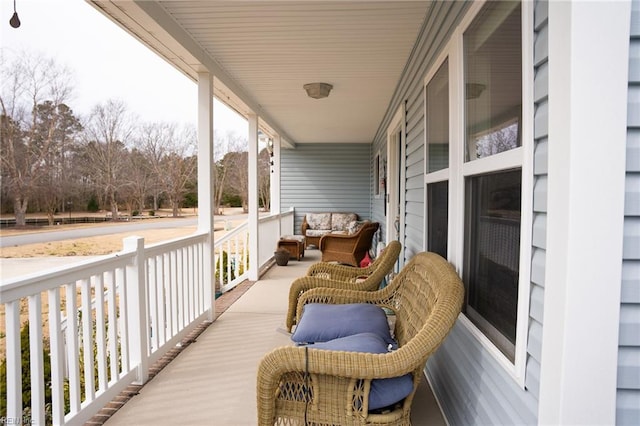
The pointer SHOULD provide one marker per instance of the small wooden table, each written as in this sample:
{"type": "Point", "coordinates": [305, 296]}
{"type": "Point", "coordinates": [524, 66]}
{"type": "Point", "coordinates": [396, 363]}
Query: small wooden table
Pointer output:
{"type": "Point", "coordinates": [294, 244]}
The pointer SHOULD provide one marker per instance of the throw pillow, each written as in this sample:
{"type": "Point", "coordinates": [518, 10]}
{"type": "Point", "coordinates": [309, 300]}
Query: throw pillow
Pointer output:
{"type": "Point", "coordinates": [323, 322]}
{"type": "Point", "coordinates": [384, 392]}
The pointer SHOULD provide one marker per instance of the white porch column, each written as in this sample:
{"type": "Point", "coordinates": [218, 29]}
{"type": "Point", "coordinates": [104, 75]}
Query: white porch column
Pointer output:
{"type": "Point", "coordinates": [587, 135]}
{"type": "Point", "coordinates": [274, 187]}
{"type": "Point", "coordinates": [254, 242]}
{"type": "Point", "coordinates": [205, 182]}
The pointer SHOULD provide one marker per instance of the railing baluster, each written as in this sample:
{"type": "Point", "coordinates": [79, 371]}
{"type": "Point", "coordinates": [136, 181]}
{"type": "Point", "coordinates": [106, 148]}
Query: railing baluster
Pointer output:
{"type": "Point", "coordinates": [14, 360]}
{"type": "Point", "coordinates": [101, 339]}
{"type": "Point", "coordinates": [180, 307]}
{"type": "Point", "coordinates": [87, 340]}
{"type": "Point", "coordinates": [112, 320]}
{"type": "Point", "coordinates": [162, 300]}
{"type": "Point", "coordinates": [123, 318]}
{"type": "Point", "coordinates": [37, 360]}
{"type": "Point", "coordinates": [152, 279]}
{"type": "Point", "coordinates": [73, 352]}
{"type": "Point", "coordinates": [57, 357]}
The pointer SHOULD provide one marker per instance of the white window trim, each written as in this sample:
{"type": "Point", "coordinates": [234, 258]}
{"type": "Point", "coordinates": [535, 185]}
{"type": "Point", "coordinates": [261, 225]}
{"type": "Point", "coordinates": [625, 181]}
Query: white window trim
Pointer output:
{"type": "Point", "coordinates": [397, 167]}
{"type": "Point", "coordinates": [521, 157]}
{"type": "Point", "coordinates": [377, 160]}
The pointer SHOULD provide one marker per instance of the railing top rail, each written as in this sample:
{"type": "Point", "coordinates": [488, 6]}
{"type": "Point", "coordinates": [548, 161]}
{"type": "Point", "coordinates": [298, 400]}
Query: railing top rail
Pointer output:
{"type": "Point", "coordinates": [23, 286]}
{"type": "Point", "coordinates": [243, 226]}
{"type": "Point", "coordinates": [176, 243]}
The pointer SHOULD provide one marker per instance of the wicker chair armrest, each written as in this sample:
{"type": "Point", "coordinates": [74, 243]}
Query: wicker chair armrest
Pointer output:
{"type": "Point", "coordinates": [303, 284]}
{"type": "Point", "coordinates": [339, 364]}
{"type": "Point", "coordinates": [336, 271]}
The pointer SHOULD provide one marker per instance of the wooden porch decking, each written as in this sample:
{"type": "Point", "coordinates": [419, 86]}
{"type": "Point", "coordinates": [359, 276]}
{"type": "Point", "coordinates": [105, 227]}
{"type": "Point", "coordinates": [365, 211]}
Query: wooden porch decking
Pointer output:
{"type": "Point", "coordinates": [212, 381]}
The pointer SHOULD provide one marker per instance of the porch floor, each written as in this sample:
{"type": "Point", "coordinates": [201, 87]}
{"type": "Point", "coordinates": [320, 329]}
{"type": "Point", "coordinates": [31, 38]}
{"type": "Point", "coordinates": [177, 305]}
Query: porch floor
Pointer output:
{"type": "Point", "coordinates": [212, 381]}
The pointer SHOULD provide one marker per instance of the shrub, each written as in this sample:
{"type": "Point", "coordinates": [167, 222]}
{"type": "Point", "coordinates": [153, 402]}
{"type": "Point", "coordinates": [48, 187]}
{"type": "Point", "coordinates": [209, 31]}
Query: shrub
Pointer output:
{"type": "Point", "coordinates": [92, 205]}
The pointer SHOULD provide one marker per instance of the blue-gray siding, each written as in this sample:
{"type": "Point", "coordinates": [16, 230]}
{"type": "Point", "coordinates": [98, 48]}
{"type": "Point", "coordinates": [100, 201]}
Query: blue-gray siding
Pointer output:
{"type": "Point", "coordinates": [326, 178]}
{"type": "Point", "coordinates": [628, 394]}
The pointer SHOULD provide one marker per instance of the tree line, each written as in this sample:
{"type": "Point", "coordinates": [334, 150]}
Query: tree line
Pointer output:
{"type": "Point", "coordinates": [55, 161]}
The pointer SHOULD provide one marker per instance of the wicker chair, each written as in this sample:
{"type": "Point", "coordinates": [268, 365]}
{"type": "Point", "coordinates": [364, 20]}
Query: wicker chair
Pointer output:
{"type": "Point", "coordinates": [324, 274]}
{"type": "Point", "coordinates": [348, 249]}
{"type": "Point", "coordinates": [298, 385]}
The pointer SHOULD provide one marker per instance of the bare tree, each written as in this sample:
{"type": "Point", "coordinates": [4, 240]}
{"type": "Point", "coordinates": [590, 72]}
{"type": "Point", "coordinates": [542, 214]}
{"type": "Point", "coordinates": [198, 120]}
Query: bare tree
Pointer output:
{"type": "Point", "coordinates": [236, 162]}
{"type": "Point", "coordinates": [28, 82]}
{"type": "Point", "coordinates": [140, 180]}
{"type": "Point", "coordinates": [264, 179]}
{"type": "Point", "coordinates": [154, 140]}
{"type": "Point", "coordinates": [228, 161]}
{"type": "Point", "coordinates": [106, 134]}
{"type": "Point", "coordinates": [178, 167]}
{"type": "Point", "coordinates": [57, 123]}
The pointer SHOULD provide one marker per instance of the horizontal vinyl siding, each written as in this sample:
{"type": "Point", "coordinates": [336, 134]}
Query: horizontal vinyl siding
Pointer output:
{"type": "Point", "coordinates": [540, 171]}
{"type": "Point", "coordinates": [628, 394]}
{"type": "Point", "coordinates": [326, 178]}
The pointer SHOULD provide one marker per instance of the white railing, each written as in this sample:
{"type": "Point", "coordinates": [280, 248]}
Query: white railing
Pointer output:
{"type": "Point", "coordinates": [108, 320]}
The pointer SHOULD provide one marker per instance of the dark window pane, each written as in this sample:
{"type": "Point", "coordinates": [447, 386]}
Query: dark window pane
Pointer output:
{"type": "Point", "coordinates": [437, 213]}
{"type": "Point", "coordinates": [492, 255]}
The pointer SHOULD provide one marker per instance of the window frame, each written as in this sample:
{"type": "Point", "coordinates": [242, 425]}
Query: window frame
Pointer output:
{"type": "Point", "coordinates": [459, 170]}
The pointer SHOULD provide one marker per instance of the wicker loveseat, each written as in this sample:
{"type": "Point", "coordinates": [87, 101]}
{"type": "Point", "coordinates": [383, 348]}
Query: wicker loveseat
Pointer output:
{"type": "Point", "coordinates": [315, 225]}
{"type": "Point", "coordinates": [303, 385]}
{"type": "Point", "coordinates": [325, 274]}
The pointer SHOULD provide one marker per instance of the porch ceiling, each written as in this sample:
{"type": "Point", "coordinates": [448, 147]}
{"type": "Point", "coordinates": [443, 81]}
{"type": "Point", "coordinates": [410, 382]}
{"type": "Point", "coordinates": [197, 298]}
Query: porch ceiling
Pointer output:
{"type": "Point", "coordinates": [263, 52]}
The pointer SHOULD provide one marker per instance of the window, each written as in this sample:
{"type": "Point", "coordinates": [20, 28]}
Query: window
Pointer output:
{"type": "Point", "coordinates": [437, 152]}
{"type": "Point", "coordinates": [493, 102]}
{"type": "Point", "coordinates": [476, 161]}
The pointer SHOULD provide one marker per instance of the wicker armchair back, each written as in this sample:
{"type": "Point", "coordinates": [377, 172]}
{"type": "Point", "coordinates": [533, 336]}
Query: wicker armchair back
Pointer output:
{"type": "Point", "coordinates": [348, 249]}
{"type": "Point", "coordinates": [297, 385]}
{"type": "Point", "coordinates": [325, 274]}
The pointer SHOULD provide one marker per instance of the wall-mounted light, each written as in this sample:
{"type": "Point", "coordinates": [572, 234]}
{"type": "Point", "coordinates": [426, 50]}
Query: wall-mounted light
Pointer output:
{"type": "Point", "coordinates": [14, 21]}
{"type": "Point", "coordinates": [270, 151]}
{"type": "Point", "coordinates": [474, 90]}
{"type": "Point", "coordinates": [318, 90]}
{"type": "Point", "coordinates": [270, 147]}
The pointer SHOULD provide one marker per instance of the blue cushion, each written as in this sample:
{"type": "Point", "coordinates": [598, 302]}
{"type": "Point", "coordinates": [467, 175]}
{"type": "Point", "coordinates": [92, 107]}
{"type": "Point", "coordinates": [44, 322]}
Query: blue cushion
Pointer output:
{"type": "Point", "coordinates": [323, 322]}
{"type": "Point", "coordinates": [384, 392]}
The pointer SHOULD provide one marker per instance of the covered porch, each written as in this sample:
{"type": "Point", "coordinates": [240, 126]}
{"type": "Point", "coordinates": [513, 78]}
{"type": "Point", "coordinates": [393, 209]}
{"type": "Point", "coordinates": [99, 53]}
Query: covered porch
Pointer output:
{"type": "Point", "coordinates": [213, 380]}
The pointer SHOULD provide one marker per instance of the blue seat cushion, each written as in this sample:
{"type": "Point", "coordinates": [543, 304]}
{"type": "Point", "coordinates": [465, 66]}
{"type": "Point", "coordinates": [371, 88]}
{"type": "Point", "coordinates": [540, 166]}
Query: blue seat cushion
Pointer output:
{"type": "Point", "coordinates": [323, 322]}
{"type": "Point", "coordinates": [384, 392]}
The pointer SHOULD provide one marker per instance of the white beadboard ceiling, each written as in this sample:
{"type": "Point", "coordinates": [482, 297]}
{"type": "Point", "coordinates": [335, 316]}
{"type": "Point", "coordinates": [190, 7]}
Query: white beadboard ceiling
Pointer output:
{"type": "Point", "coordinates": [263, 52]}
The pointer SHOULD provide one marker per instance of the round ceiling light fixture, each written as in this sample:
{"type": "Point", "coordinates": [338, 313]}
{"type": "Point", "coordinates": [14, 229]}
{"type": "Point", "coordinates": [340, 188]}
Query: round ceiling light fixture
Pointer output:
{"type": "Point", "coordinates": [318, 90]}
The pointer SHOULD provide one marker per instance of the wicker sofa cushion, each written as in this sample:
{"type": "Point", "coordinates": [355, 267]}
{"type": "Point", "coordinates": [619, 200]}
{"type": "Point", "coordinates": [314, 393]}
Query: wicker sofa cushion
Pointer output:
{"type": "Point", "coordinates": [317, 232]}
{"type": "Point", "coordinates": [384, 392]}
{"type": "Point", "coordinates": [323, 322]}
{"type": "Point", "coordinates": [319, 220]}
{"type": "Point", "coordinates": [340, 221]}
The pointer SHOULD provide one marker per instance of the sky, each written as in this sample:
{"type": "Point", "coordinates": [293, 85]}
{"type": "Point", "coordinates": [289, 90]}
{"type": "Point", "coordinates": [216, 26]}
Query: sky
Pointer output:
{"type": "Point", "coordinates": [107, 63]}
